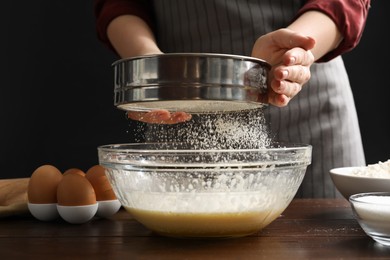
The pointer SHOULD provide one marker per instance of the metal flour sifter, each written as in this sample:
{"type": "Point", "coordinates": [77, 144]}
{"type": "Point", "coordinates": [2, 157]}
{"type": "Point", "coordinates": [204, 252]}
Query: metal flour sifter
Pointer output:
{"type": "Point", "coordinates": [190, 82]}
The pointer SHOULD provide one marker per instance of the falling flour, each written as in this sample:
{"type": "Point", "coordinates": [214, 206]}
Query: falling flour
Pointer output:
{"type": "Point", "coordinates": [245, 129]}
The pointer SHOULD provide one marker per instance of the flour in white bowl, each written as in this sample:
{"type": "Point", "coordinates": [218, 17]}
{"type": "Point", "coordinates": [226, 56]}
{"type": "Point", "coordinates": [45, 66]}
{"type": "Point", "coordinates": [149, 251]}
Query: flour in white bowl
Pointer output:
{"type": "Point", "coordinates": [374, 208]}
{"type": "Point", "coordinates": [375, 199]}
{"type": "Point", "coordinates": [378, 170]}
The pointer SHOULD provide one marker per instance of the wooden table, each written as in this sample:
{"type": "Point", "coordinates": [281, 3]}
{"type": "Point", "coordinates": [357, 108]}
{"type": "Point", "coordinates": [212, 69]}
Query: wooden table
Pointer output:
{"type": "Point", "coordinates": [308, 229]}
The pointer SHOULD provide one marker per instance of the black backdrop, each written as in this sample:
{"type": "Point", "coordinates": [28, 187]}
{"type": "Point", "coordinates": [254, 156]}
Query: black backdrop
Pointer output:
{"type": "Point", "coordinates": [56, 93]}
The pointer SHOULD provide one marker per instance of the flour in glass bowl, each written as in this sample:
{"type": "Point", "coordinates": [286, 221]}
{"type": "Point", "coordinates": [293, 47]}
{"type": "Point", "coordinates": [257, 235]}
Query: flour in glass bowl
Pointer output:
{"type": "Point", "coordinates": [378, 170]}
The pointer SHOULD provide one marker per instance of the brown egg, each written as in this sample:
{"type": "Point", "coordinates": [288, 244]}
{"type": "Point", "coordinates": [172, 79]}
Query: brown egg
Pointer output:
{"type": "Point", "coordinates": [42, 186]}
{"type": "Point", "coordinates": [75, 190]}
{"type": "Point", "coordinates": [100, 183]}
{"type": "Point", "coordinates": [74, 171]}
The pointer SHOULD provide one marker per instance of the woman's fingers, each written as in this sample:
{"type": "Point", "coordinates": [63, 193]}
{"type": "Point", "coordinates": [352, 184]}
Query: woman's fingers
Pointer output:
{"type": "Point", "coordinates": [287, 88]}
{"type": "Point", "coordinates": [297, 73]}
{"type": "Point", "coordinates": [149, 117]}
{"type": "Point", "coordinates": [278, 100]}
{"type": "Point", "coordinates": [159, 117]}
{"type": "Point", "coordinates": [298, 56]}
{"type": "Point", "coordinates": [295, 67]}
{"type": "Point", "coordinates": [289, 77]}
{"type": "Point", "coordinates": [179, 117]}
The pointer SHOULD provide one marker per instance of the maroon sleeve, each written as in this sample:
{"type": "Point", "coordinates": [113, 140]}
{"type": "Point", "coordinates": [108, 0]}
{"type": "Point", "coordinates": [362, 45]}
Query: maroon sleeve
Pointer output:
{"type": "Point", "coordinates": [350, 17]}
{"type": "Point", "coordinates": [106, 10]}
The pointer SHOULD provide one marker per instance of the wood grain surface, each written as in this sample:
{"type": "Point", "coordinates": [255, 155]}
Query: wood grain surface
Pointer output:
{"type": "Point", "coordinates": [308, 229]}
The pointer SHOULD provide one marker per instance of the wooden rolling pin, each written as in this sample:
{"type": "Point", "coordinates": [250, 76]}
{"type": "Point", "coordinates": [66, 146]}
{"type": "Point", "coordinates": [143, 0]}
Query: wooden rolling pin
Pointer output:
{"type": "Point", "coordinates": [13, 196]}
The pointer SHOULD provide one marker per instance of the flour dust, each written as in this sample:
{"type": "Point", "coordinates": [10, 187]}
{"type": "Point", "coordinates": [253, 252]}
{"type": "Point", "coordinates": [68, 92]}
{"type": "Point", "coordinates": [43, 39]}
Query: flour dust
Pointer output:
{"type": "Point", "coordinates": [246, 129]}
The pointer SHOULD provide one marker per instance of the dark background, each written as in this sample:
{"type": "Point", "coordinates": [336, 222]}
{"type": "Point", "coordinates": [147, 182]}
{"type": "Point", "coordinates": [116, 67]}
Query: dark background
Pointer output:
{"type": "Point", "coordinates": [56, 99]}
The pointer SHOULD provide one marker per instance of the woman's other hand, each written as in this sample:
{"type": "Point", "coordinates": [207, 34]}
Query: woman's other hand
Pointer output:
{"type": "Point", "coordinates": [290, 57]}
{"type": "Point", "coordinates": [159, 117]}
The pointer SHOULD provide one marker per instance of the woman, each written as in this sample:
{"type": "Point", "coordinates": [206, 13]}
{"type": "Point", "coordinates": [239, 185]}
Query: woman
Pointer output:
{"type": "Point", "coordinates": [302, 40]}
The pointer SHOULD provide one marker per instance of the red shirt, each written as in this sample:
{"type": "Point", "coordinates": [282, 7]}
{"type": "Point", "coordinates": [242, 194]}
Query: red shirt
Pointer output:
{"type": "Point", "coordinates": [349, 15]}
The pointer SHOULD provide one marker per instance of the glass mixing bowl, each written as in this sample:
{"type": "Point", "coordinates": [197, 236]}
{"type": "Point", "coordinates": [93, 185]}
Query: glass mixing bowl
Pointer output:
{"type": "Point", "coordinates": [179, 192]}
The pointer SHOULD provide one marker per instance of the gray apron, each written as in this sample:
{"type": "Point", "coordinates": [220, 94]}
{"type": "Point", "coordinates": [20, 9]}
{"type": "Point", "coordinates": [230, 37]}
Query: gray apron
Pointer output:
{"type": "Point", "coordinates": [323, 114]}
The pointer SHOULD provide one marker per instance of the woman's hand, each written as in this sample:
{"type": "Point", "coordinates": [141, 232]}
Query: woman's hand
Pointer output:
{"type": "Point", "coordinates": [290, 57]}
{"type": "Point", "coordinates": [131, 36]}
{"type": "Point", "coordinates": [159, 117]}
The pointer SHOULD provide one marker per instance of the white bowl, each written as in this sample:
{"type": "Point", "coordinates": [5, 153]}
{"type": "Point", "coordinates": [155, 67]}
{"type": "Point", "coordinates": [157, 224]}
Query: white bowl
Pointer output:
{"type": "Point", "coordinates": [348, 183]}
{"type": "Point", "coordinates": [372, 211]}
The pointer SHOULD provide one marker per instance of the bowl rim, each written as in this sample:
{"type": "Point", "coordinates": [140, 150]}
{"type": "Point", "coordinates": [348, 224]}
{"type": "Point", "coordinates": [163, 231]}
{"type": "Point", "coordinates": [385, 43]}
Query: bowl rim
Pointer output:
{"type": "Point", "coordinates": [289, 155]}
{"type": "Point", "coordinates": [281, 146]}
{"type": "Point", "coordinates": [355, 197]}
{"type": "Point", "coordinates": [335, 171]}
{"type": "Point", "coordinates": [195, 55]}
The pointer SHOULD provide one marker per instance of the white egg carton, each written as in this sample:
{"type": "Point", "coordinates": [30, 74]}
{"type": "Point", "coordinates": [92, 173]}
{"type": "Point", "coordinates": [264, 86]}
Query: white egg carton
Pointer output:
{"type": "Point", "coordinates": [74, 214]}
